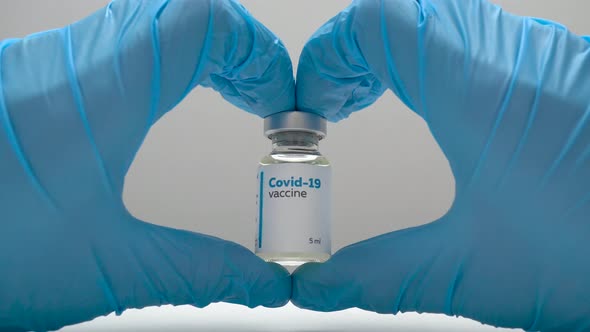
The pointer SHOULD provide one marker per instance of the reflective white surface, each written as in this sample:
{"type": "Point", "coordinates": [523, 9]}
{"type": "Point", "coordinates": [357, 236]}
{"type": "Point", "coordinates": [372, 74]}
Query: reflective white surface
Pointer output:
{"type": "Point", "coordinates": [228, 317]}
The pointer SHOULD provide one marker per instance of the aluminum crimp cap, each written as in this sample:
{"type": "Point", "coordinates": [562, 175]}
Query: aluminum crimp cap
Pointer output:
{"type": "Point", "coordinates": [295, 121]}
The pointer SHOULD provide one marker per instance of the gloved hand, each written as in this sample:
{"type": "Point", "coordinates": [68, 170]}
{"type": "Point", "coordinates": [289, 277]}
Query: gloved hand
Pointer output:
{"type": "Point", "coordinates": [75, 105]}
{"type": "Point", "coordinates": [507, 99]}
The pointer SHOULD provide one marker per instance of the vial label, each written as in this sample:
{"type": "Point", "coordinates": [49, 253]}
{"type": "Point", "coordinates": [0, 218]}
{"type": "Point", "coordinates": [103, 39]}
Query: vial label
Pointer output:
{"type": "Point", "coordinates": [294, 209]}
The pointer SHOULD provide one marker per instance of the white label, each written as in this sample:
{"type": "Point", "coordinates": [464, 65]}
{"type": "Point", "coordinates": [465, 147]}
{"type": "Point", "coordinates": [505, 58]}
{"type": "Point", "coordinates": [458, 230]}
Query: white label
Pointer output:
{"type": "Point", "coordinates": [294, 209]}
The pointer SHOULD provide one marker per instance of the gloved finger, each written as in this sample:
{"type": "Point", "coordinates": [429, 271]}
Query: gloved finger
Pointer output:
{"type": "Point", "coordinates": [110, 76]}
{"type": "Point", "coordinates": [442, 58]}
{"type": "Point", "coordinates": [345, 65]}
{"type": "Point", "coordinates": [153, 53]}
{"type": "Point", "coordinates": [161, 265]}
{"type": "Point", "coordinates": [198, 269]}
{"type": "Point", "coordinates": [124, 263]}
{"type": "Point", "coordinates": [410, 270]}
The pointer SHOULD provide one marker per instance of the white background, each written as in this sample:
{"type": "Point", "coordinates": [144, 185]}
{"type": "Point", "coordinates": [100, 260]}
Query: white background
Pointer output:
{"type": "Point", "coordinates": [174, 179]}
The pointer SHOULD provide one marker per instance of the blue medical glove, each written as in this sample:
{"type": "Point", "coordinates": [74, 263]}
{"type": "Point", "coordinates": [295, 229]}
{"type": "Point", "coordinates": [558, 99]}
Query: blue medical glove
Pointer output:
{"type": "Point", "coordinates": [75, 105]}
{"type": "Point", "coordinates": [508, 100]}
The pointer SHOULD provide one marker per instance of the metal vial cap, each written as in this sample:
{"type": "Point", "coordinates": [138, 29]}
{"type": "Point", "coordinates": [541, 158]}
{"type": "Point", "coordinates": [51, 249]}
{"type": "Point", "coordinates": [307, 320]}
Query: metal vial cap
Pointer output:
{"type": "Point", "coordinates": [295, 121]}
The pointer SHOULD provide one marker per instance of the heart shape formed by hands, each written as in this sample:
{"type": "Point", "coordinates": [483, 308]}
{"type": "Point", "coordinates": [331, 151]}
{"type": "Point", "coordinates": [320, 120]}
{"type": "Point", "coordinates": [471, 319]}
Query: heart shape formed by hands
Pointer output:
{"type": "Point", "coordinates": [505, 97]}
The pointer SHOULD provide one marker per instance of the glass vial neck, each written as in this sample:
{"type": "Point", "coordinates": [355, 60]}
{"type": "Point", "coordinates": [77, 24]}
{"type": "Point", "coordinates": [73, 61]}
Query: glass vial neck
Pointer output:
{"type": "Point", "coordinates": [295, 142]}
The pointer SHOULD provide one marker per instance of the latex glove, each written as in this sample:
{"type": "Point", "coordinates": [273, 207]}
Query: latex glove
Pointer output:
{"type": "Point", "coordinates": [507, 98]}
{"type": "Point", "coordinates": [75, 105]}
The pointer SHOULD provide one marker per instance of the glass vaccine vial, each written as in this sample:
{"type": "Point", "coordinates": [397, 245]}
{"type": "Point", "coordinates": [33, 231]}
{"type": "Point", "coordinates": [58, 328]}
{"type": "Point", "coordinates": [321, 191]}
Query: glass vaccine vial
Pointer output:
{"type": "Point", "coordinates": [294, 192]}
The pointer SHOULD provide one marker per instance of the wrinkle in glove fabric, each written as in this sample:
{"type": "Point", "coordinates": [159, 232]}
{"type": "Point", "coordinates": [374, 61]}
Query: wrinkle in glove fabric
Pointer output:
{"type": "Point", "coordinates": [75, 106]}
{"type": "Point", "coordinates": [508, 100]}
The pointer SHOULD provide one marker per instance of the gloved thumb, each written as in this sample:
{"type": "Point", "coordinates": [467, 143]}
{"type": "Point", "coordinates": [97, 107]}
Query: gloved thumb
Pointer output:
{"type": "Point", "coordinates": [155, 265]}
{"type": "Point", "coordinates": [414, 269]}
